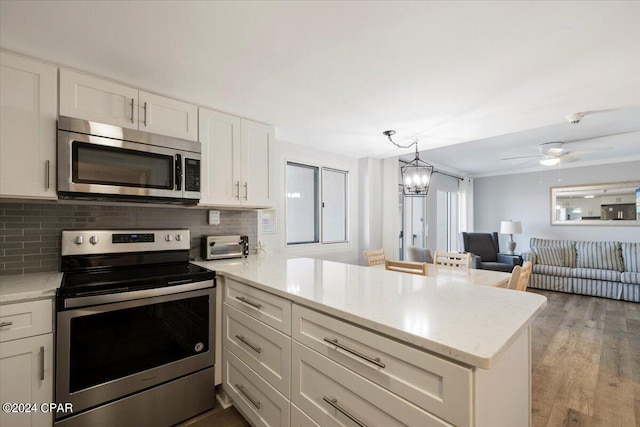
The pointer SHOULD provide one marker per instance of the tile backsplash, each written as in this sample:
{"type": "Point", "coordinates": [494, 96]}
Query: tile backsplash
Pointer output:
{"type": "Point", "coordinates": [30, 232]}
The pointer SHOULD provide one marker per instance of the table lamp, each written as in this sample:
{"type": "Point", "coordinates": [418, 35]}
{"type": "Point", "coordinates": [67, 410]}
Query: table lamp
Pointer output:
{"type": "Point", "coordinates": [510, 228]}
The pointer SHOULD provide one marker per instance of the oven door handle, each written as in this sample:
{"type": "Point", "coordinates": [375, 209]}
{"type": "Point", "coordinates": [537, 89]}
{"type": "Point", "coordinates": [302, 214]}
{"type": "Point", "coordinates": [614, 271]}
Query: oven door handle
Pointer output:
{"type": "Point", "coordinates": [135, 295]}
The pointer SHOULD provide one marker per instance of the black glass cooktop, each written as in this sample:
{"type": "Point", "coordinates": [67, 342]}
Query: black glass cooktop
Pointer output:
{"type": "Point", "coordinates": [132, 278]}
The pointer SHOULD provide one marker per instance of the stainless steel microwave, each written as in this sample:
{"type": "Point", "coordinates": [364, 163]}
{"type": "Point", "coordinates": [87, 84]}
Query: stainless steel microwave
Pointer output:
{"type": "Point", "coordinates": [97, 161]}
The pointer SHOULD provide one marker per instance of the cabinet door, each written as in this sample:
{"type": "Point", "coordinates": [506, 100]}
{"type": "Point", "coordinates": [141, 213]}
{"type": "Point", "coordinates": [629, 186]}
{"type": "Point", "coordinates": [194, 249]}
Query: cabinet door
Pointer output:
{"type": "Point", "coordinates": [89, 98]}
{"type": "Point", "coordinates": [28, 94]}
{"type": "Point", "coordinates": [166, 116]}
{"type": "Point", "coordinates": [26, 369]}
{"type": "Point", "coordinates": [257, 160]}
{"type": "Point", "coordinates": [219, 135]}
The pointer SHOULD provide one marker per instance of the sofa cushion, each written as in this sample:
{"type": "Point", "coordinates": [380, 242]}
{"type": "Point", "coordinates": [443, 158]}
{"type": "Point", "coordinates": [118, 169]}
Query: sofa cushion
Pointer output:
{"type": "Point", "coordinates": [596, 274]}
{"type": "Point", "coordinates": [631, 256]}
{"type": "Point", "coordinates": [550, 255]}
{"type": "Point", "coordinates": [567, 245]}
{"type": "Point", "coordinates": [602, 255]}
{"type": "Point", "coordinates": [552, 270]}
{"type": "Point", "coordinates": [630, 277]}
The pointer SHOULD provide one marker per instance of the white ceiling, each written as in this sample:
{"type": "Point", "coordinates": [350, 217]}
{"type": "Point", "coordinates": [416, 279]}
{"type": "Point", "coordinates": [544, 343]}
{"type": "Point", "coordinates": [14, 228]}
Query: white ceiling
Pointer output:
{"type": "Point", "coordinates": [334, 75]}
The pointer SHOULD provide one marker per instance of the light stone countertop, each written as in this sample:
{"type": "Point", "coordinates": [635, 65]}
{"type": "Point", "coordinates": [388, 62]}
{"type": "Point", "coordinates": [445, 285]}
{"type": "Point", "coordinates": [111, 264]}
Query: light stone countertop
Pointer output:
{"type": "Point", "coordinates": [23, 287]}
{"type": "Point", "coordinates": [448, 316]}
{"type": "Point", "coordinates": [469, 323]}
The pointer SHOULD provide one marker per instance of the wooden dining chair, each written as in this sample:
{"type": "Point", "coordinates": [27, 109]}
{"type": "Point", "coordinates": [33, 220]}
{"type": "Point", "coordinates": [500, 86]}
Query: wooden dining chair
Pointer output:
{"type": "Point", "coordinates": [515, 275]}
{"type": "Point", "coordinates": [375, 257]}
{"type": "Point", "coordinates": [452, 259]}
{"type": "Point", "coordinates": [525, 273]}
{"type": "Point", "coordinates": [421, 268]}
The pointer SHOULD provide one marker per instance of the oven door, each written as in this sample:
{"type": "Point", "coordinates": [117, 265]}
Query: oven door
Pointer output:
{"type": "Point", "coordinates": [95, 165]}
{"type": "Point", "coordinates": [112, 350]}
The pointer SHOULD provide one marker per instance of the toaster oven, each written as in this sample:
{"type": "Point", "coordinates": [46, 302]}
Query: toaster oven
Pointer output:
{"type": "Point", "coordinates": [220, 247]}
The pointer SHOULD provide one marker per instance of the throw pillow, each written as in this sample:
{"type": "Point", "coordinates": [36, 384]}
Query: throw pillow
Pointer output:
{"type": "Point", "coordinates": [567, 246]}
{"type": "Point", "coordinates": [602, 255]}
{"type": "Point", "coordinates": [549, 255]}
{"type": "Point", "coordinates": [631, 256]}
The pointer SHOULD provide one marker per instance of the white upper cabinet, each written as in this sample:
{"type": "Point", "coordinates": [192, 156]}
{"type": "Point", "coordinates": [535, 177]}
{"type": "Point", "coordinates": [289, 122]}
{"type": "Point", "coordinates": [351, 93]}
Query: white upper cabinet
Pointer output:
{"type": "Point", "coordinates": [167, 116]}
{"type": "Point", "coordinates": [220, 166]}
{"type": "Point", "coordinates": [86, 97]}
{"type": "Point", "coordinates": [28, 96]}
{"type": "Point", "coordinates": [257, 159]}
{"type": "Point", "coordinates": [90, 98]}
{"type": "Point", "coordinates": [237, 161]}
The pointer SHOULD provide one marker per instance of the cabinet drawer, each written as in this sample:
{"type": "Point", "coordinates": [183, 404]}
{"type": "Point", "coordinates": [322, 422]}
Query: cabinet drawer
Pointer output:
{"type": "Point", "coordinates": [268, 308]}
{"type": "Point", "coordinates": [265, 350]}
{"type": "Point", "coordinates": [334, 396]}
{"type": "Point", "coordinates": [25, 319]}
{"type": "Point", "coordinates": [300, 419]}
{"type": "Point", "coordinates": [436, 385]}
{"type": "Point", "coordinates": [257, 400]}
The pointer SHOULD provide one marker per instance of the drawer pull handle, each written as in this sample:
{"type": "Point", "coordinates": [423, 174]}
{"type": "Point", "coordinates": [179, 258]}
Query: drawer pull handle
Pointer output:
{"type": "Point", "coordinates": [246, 301]}
{"type": "Point", "coordinates": [334, 403]}
{"type": "Point", "coordinates": [254, 347]}
{"type": "Point", "coordinates": [131, 110]}
{"type": "Point", "coordinates": [41, 363]}
{"type": "Point", "coordinates": [3, 324]}
{"type": "Point", "coordinates": [252, 399]}
{"type": "Point", "coordinates": [369, 359]}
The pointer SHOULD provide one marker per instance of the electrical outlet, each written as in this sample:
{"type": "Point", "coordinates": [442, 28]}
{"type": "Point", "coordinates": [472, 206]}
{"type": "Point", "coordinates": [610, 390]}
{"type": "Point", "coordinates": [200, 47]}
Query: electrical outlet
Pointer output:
{"type": "Point", "coordinates": [214, 217]}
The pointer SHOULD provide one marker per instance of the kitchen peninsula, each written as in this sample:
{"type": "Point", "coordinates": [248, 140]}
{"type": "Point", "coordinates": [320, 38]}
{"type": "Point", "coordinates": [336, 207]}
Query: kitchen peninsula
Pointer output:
{"type": "Point", "coordinates": [373, 346]}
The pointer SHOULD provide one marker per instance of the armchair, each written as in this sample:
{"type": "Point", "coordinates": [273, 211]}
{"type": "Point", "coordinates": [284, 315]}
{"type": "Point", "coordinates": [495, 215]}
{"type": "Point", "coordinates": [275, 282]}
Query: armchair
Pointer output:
{"type": "Point", "coordinates": [485, 252]}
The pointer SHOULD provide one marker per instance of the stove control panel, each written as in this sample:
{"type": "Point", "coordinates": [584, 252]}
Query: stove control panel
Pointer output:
{"type": "Point", "coordinates": [74, 242]}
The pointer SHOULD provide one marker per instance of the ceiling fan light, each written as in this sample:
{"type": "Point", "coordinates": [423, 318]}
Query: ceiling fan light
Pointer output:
{"type": "Point", "coordinates": [549, 161]}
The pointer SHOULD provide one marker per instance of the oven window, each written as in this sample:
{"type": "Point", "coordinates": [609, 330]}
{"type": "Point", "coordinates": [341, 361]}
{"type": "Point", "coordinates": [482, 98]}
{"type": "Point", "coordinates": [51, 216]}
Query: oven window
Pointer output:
{"type": "Point", "coordinates": [97, 164]}
{"type": "Point", "coordinates": [112, 345]}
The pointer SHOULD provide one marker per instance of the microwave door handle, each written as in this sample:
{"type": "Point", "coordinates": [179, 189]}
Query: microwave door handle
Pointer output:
{"type": "Point", "coordinates": [178, 172]}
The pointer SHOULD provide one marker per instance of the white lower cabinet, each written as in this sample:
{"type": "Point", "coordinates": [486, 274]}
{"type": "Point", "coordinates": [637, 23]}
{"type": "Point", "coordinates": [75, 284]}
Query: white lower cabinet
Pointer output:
{"type": "Point", "coordinates": [335, 396]}
{"type": "Point", "coordinates": [332, 373]}
{"type": "Point", "coordinates": [300, 419]}
{"type": "Point", "coordinates": [434, 384]}
{"type": "Point", "coordinates": [260, 346]}
{"type": "Point", "coordinates": [258, 401]}
{"type": "Point", "coordinates": [26, 363]}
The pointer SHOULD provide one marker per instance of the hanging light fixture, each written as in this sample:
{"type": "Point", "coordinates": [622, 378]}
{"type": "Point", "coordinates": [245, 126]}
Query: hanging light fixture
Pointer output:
{"type": "Point", "coordinates": [416, 175]}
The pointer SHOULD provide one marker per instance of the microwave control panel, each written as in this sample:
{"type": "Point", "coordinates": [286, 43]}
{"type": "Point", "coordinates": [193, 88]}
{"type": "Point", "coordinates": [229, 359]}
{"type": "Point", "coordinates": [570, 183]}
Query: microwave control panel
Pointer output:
{"type": "Point", "coordinates": [191, 175]}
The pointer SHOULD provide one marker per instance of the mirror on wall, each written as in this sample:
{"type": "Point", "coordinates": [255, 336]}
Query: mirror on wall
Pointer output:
{"type": "Point", "coordinates": [616, 203]}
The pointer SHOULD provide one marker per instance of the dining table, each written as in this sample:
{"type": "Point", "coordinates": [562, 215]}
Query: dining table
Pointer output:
{"type": "Point", "coordinates": [445, 273]}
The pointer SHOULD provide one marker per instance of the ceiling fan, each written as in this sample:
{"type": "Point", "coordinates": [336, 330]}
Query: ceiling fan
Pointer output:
{"type": "Point", "coordinates": [551, 153]}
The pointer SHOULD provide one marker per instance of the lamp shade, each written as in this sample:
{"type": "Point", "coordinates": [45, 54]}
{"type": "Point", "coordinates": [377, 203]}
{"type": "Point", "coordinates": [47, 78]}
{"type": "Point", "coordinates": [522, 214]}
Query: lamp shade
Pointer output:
{"type": "Point", "coordinates": [510, 227]}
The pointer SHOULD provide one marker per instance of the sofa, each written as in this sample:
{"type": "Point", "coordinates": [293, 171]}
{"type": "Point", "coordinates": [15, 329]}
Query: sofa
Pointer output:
{"type": "Point", "coordinates": [602, 269]}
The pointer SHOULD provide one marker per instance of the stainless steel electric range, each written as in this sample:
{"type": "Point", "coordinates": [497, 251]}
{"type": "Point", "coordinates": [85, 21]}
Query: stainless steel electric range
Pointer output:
{"type": "Point", "coordinates": [135, 327]}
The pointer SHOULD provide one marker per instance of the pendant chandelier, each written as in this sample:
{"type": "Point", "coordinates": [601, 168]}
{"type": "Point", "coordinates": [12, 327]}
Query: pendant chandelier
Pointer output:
{"type": "Point", "coordinates": [416, 175]}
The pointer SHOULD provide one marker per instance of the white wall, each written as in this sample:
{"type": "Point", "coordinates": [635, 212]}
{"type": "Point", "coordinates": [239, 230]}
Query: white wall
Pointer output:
{"type": "Point", "coordinates": [526, 197]}
{"type": "Point", "coordinates": [276, 243]}
{"type": "Point", "coordinates": [369, 205]}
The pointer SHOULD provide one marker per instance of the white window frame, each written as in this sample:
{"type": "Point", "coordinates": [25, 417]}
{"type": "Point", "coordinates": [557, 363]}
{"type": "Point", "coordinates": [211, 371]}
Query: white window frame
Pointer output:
{"type": "Point", "coordinates": [321, 169]}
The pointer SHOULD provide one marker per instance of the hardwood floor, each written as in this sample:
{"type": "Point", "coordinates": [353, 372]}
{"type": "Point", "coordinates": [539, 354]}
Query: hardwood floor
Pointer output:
{"type": "Point", "coordinates": [585, 363]}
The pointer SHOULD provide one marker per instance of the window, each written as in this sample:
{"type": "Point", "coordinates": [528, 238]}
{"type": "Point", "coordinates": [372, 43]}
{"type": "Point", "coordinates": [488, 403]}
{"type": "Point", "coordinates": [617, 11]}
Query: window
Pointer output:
{"type": "Point", "coordinates": [316, 204]}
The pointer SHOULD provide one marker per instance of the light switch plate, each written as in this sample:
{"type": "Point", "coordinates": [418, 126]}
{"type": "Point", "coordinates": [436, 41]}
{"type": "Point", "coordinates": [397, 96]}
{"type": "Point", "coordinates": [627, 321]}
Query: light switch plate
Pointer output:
{"type": "Point", "coordinates": [214, 217]}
